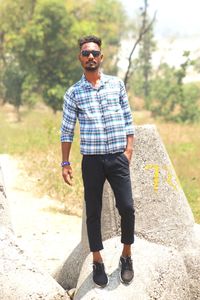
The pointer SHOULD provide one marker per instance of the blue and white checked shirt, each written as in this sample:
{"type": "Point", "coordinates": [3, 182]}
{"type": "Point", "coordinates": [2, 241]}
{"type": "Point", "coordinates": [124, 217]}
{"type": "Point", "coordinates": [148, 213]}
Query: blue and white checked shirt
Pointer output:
{"type": "Point", "coordinates": [103, 113]}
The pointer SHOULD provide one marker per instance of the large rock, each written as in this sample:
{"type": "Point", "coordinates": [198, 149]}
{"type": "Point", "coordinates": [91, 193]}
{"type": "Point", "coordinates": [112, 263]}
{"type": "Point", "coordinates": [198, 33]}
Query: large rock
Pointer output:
{"type": "Point", "coordinates": [191, 256]}
{"type": "Point", "coordinates": [160, 273]}
{"type": "Point", "coordinates": [20, 278]}
{"type": "Point", "coordinates": [163, 214]}
{"type": "Point", "coordinates": [67, 275]}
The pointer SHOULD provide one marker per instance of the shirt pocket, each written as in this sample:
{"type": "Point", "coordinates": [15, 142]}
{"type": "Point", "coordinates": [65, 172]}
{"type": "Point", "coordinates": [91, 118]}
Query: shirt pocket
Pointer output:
{"type": "Point", "coordinates": [113, 107]}
{"type": "Point", "coordinates": [113, 102]}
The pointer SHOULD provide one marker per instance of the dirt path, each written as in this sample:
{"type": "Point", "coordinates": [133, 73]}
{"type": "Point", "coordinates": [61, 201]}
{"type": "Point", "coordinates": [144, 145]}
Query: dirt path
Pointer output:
{"type": "Point", "coordinates": [47, 235]}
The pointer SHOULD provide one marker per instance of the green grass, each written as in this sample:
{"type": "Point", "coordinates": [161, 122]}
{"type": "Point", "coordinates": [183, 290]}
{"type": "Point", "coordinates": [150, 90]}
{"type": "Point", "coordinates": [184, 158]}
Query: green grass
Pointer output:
{"type": "Point", "coordinates": [35, 140]}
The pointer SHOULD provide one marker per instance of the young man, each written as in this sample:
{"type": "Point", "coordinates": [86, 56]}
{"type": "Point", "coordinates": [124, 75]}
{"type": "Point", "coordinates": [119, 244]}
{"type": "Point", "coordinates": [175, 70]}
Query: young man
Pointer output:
{"type": "Point", "coordinates": [100, 103]}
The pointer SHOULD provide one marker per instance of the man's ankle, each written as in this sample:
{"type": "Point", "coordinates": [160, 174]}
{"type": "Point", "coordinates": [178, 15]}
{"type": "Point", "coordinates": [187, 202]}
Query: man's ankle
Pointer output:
{"type": "Point", "coordinates": [97, 257]}
{"type": "Point", "coordinates": [126, 252]}
{"type": "Point", "coordinates": [98, 261]}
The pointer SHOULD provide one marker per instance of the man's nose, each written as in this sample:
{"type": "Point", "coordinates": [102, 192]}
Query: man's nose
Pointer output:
{"type": "Point", "coordinates": [91, 55]}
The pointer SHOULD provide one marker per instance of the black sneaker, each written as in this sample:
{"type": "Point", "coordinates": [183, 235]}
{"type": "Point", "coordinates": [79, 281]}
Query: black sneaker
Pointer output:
{"type": "Point", "coordinates": [99, 274]}
{"type": "Point", "coordinates": [126, 272]}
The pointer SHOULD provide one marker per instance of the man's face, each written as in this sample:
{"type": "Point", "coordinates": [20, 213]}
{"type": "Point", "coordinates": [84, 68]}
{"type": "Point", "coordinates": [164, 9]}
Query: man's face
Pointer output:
{"type": "Point", "coordinates": [90, 56]}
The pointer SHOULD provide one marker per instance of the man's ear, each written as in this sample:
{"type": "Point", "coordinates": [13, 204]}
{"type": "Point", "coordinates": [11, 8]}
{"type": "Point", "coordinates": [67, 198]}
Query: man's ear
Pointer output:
{"type": "Point", "coordinates": [102, 57]}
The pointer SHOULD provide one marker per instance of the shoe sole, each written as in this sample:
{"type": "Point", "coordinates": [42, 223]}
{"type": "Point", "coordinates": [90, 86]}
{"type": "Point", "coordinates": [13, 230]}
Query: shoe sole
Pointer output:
{"type": "Point", "coordinates": [101, 286]}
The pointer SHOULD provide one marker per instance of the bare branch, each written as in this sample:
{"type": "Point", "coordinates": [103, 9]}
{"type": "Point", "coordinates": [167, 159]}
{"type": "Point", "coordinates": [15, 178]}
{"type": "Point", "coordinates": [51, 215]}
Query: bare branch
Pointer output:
{"type": "Point", "coordinates": [144, 29]}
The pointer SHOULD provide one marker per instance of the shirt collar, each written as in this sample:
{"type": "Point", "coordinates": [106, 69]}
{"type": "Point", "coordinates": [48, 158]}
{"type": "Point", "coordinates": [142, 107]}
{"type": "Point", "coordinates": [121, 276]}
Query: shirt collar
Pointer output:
{"type": "Point", "coordinates": [86, 83]}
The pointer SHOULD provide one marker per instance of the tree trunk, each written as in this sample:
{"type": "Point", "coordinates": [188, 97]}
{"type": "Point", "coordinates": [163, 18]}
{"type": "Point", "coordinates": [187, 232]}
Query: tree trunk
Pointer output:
{"type": "Point", "coordinates": [18, 114]}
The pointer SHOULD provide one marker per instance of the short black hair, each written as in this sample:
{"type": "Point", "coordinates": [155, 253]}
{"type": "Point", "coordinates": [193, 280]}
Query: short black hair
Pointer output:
{"type": "Point", "coordinates": [89, 39]}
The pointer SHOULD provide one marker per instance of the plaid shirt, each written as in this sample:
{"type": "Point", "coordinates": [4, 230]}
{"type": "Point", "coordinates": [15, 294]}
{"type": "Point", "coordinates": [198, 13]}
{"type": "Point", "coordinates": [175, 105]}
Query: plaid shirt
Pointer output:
{"type": "Point", "coordinates": [103, 113]}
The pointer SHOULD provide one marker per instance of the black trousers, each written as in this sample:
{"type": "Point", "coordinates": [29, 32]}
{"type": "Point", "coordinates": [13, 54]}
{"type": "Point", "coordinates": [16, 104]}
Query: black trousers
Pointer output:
{"type": "Point", "coordinates": [95, 170]}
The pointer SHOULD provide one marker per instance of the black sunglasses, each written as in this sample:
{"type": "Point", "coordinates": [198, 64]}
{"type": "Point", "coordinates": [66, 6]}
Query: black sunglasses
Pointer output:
{"type": "Point", "coordinates": [87, 53]}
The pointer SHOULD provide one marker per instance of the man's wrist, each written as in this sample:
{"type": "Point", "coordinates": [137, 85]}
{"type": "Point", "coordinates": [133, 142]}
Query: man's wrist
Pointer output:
{"type": "Point", "coordinates": [65, 163]}
{"type": "Point", "coordinates": [129, 149]}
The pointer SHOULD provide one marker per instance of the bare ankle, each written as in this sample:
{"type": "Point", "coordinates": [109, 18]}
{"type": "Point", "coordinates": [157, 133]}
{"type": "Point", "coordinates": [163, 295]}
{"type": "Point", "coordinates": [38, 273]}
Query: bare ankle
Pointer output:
{"type": "Point", "coordinates": [126, 250]}
{"type": "Point", "coordinates": [97, 257]}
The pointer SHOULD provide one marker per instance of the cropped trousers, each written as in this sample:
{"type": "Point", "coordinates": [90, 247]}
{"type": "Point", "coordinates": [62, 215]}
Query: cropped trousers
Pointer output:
{"type": "Point", "coordinates": [95, 170]}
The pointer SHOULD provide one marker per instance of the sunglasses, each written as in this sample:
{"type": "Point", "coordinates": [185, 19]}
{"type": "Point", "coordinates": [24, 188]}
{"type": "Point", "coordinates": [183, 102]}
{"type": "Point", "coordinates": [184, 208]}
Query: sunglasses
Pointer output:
{"type": "Point", "coordinates": [87, 53]}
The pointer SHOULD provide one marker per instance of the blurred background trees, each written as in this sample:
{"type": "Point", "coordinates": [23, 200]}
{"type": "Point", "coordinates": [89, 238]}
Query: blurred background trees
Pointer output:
{"type": "Point", "coordinates": [39, 45]}
{"type": "Point", "coordinates": [38, 62]}
{"type": "Point", "coordinates": [38, 55]}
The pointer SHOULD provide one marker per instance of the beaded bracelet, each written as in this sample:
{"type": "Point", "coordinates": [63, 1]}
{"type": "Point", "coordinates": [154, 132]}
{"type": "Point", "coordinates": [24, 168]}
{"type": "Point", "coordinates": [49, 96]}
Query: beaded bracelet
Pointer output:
{"type": "Point", "coordinates": [65, 163]}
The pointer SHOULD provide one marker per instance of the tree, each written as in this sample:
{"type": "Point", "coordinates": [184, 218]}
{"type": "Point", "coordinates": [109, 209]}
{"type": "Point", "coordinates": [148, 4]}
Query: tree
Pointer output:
{"type": "Point", "coordinates": [145, 26]}
{"type": "Point", "coordinates": [41, 48]}
{"type": "Point", "coordinates": [190, 110]}
{"type": "Point", "coordinates": [13, 81]}
{"type": "Point", "coordinates": [13, 18]}
{"type": "Point", "coordinates": [110, 26]}
{"type": "Point", "coordinates": [141, 71]}
{"type": "Point", "coordinates": [94, 17]}
{"type": "Point", "coordinates": [43, 44]}
{"type": "Point", "coordinates": [165, 92]}
{"type": "Point", "coordinates": [144, 61]}
{"type": "Point", "coordinates": [171, 98]}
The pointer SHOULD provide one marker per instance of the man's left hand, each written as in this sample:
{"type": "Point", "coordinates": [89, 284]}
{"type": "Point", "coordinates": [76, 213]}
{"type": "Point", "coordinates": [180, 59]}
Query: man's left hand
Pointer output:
{"type": "Point", "coordinates": [128, 153]}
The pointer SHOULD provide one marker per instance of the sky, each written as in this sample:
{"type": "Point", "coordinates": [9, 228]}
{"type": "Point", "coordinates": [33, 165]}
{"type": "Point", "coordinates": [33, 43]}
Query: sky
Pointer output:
{"type": "Point", "coordinates": [174, 17]}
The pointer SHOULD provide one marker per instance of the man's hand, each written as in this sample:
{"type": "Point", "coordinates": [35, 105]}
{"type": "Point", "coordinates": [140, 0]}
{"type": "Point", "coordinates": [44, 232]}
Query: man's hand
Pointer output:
{"type": "Point", "coordinates": [128, 153]}
{"type": "Point", "coordinates": [129, 147]}
{"type": "Point", "coordinates": [67, 174]}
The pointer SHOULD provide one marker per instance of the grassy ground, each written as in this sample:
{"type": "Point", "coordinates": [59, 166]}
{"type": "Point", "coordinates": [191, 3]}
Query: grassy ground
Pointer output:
{"type": "Point", "coordinates": [35, 140]}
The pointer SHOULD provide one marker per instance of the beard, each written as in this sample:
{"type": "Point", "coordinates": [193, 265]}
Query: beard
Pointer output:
{"type": "Point", "coordinates": [91, 66]}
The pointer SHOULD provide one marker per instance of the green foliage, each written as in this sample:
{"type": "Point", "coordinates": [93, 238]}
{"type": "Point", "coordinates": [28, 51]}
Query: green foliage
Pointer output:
{"type": "Point", "coordinates": [165, 92]}
{"type": "Point", "coordinates": [190, 108]}
{"type": "Point", "coordinates": [43, 47]}
{"type": "Point", "coordinates": [13, 80]}
{"type": "Point", "coordinates": [110, 21]}
{"type": "Point", "coordinates": [13, 16]}
{"type": "Point", "coordinates": [40, 37]}
{"type": "Point", "coordinates": [171, 98]}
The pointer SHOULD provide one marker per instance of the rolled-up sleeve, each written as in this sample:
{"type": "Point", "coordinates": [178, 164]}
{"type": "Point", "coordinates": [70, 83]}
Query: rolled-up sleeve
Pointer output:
{"type": "Point", "coordinates": [69, 118]}
{"type": "Point", "coordinates": [126, 110]}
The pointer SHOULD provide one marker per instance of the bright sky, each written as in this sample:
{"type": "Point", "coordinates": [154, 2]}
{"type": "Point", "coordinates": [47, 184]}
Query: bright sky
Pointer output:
{"type": "Point", "coordinates": [173, 16]}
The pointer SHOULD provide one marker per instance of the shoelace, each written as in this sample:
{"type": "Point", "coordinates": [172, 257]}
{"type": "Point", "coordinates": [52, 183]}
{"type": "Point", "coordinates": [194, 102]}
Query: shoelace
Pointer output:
{"type": "Point", "coordinates": [127, 263]}
{"type": "Point", "coordinates": [99, 268]}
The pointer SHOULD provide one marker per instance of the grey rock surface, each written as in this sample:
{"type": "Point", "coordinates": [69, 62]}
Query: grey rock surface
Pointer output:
{"type": "Point", "coordinates": [20, 278]}
{"type": "Point", "coordinates": [67, 275]}
{"type": "Point", "coordinates": [160, 273]}
{"type": "Point", "coordinates": [191, 256]}
{"type": "Point", "coordinates": [163, 214]}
